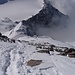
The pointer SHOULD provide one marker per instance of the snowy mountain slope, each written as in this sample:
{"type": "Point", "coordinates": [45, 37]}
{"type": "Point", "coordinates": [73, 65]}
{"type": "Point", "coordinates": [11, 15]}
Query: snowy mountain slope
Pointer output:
{"type": "Point", "coordinates": [20, 9]}
{"type": "Point", "coordinates": [15, 57]}
{"type": "Point", "coordinates": [42, 23]}
{"type": "Point", "coordinates": [24, 33]}
{"type": "Point", "coordinates": [44, 39]}
{"type": "Point", "coordinates": [21, 29]}
{"type": "Point", "coordinates": [6, 25]}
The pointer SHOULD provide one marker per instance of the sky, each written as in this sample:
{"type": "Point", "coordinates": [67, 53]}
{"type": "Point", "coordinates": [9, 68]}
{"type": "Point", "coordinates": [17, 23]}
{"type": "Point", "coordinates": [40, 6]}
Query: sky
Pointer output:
{"type": "Point", "coordinates": [67, 7]}
{"type": "Point", "coordinates": [20, 9]}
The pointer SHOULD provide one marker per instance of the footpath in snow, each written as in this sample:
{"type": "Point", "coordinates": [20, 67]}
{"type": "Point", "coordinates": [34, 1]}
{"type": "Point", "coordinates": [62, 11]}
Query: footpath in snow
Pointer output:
{"type": "Point", "coordinates": [14, 59]}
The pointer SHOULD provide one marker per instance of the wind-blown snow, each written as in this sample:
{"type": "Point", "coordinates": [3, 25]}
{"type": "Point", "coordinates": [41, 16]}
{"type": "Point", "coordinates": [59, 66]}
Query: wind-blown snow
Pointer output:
{"type": "Point", "coordinates": [44, 39]}
{"type": "Point", "coordinates": [66, 7]}
{"type": "Point", "coordinates": [12, 33]}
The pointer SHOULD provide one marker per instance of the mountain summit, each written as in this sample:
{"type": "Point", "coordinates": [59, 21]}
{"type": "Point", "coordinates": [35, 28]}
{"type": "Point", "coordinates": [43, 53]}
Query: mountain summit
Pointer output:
{"type": "Point", "coordinates": [41, 23]}
{"type": "Point", "coordinates": [48, 16]}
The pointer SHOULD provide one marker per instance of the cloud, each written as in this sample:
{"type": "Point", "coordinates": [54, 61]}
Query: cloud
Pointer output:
{"type": "Point", "coordinates": [67, 7]}
{"type": "Point", "coordinates": [20, 9]}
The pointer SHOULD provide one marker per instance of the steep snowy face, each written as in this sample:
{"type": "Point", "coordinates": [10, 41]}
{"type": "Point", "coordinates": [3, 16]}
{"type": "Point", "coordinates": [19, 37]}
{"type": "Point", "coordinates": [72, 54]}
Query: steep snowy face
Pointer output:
{"type": "Point", "coordinates": [20, 30]}
{"type": "Point", "coordinates": [20, 9]}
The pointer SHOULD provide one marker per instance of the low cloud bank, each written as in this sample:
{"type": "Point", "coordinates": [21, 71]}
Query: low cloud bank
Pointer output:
{"type": "Point", "coordinates": [67, 7]}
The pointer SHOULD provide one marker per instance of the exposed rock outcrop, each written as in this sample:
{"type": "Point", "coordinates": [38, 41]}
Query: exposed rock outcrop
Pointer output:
{"type": "Point", "coordinates": [48, 16]}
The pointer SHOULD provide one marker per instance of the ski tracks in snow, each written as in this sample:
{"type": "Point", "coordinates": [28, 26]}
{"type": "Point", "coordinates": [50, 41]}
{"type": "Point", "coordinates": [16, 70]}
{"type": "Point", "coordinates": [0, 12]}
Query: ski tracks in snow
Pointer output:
{"type": "Point", "coordinates": [15, 61]}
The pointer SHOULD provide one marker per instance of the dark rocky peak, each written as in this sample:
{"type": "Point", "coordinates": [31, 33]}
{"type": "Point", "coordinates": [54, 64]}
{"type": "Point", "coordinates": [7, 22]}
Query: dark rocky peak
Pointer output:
{"type": "Point", "coordinates": [48, 16]}
{"type": "Point", "coordinates": [25, 29]}
{"type": "Point", "coordinates": [25, 23]}
{"type": "Point", "coordinates": [47, 3]}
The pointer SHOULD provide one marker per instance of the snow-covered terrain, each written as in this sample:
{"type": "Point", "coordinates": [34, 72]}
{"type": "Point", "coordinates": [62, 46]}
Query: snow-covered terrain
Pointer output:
{"type": "Point", "coordinates": [14, 58]}
{"type": "Point", "coordinates": [44, 39]}
{"type": "Point", "coordinates": [20, 30]}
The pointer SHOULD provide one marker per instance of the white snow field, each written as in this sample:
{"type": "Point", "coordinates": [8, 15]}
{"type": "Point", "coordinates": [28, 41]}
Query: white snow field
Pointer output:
{"type": "Point", "coordinates": [20, 9]}
{"type": "Point", "coordinates": [42, 39]}
{"type": "Point", "coordinates": [14, 58]}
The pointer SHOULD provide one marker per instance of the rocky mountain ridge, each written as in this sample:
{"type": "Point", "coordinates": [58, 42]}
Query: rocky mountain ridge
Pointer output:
{"type": "Point", "coordinates": [48, 16]}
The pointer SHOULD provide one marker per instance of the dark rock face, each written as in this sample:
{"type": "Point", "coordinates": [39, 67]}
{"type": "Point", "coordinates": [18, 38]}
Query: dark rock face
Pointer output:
{"type": "Point", "coordinates": [3, 38]}
{"type": "Point", "coordinates": [3, 1]}
{"type": "Point", "coordinates": [48, 16]}
{"type": "Point", "coordinates": [6, 39]}
{"type": "Point", "coordinates": [26, 29]}
{"type": "Point", "coordinates": [29, 30]}
{"type": "Point", "coordinates": [0, 34]}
